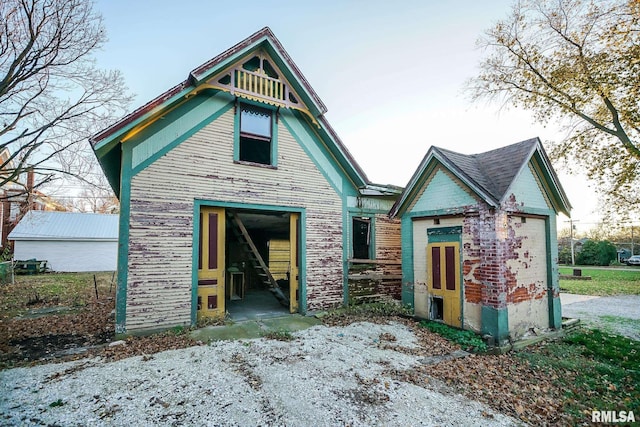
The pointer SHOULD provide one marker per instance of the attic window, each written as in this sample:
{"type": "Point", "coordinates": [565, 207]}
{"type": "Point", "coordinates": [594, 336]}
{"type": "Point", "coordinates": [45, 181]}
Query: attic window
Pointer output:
{"type": "Point", "coordinates": [255, 134]}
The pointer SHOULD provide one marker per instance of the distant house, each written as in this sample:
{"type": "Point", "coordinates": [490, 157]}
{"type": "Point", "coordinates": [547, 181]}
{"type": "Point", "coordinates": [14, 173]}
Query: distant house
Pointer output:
{"type": "Point", "coordinates": [68, 241]}
{"type": "Point", "coordinates": [18, 196]}
{"type": "Point", "coordinates": [479, 245]}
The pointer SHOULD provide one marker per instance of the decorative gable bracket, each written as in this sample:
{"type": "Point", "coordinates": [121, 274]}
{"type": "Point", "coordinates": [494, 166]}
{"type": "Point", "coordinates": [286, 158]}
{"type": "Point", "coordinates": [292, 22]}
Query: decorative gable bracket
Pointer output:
{"type": "Point", "coordinates": [257, 79]}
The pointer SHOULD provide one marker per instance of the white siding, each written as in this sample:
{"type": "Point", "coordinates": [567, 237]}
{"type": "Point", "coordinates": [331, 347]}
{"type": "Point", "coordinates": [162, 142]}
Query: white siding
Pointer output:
{"type": "Point", "coordinates": [161, 221]}
{"type": "Point", "coordinates": [70, 256]}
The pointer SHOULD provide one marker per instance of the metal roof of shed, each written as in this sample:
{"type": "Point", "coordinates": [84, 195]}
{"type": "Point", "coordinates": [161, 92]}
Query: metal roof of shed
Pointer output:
{"type": "Point", "coordinates": [47, 225]}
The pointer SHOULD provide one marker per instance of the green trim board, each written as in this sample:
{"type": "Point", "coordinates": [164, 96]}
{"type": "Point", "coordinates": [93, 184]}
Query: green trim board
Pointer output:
{"type": "Point", "coordinates": [302, 272]}
{"type": "Point", "coordinates": [406, 236]}
{"type": "Point", "coordinates": [354, 213]}
{"type": "Point", "coordinates": [495, 322]}
{"type": "Point", "coordinates": [123, 243]}
{"type": "Point", "coordinates": [318, 153]}
{"type": "Point", "coordinates": [553, 285]}
{"type": "Point", "coordinates": [332, 148]}
{"type": "Point", "coordinates": [115, 137]}
{"type": "Point", "coordinates": [183, 137]}
{"type": "Point", "coordinates": [444, 234]}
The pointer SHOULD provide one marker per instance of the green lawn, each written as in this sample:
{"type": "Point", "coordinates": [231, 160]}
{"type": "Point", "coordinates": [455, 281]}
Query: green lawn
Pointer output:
{"type": "Point", "coordinates": [595, 370]}
{"type": "Point", "coordinates": [603, 282]}
{"type": "Point", "coordinates": [53, 289]}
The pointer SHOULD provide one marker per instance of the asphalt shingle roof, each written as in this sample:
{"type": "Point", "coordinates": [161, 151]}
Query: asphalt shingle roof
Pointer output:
{"type": "Point", "coordinates": [493, 171]}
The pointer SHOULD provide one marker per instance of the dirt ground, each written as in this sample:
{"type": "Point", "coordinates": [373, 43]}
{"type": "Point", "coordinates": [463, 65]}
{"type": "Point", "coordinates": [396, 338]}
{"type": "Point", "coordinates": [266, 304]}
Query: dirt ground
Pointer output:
{"type": "Point", "coordinates": [47, 330]}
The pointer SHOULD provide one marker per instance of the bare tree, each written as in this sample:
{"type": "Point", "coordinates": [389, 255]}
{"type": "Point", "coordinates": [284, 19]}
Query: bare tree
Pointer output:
{"type": "Point", "coordinates": [52, 94]}
{"type": "Point", "coordinates": [578, 62]}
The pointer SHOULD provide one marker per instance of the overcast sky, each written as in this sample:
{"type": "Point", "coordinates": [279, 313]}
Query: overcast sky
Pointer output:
{"type": "Point", "coordinates": [390, 73]}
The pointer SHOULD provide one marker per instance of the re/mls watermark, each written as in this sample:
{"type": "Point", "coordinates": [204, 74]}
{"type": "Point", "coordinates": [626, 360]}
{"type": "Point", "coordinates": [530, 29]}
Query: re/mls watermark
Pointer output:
{"type": "Point", "coordinates": [613, 417]}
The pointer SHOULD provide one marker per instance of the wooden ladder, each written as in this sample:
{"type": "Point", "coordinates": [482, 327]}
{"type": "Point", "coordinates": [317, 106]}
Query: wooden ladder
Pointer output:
{"type": "Point", "coordinates": [255, 259]}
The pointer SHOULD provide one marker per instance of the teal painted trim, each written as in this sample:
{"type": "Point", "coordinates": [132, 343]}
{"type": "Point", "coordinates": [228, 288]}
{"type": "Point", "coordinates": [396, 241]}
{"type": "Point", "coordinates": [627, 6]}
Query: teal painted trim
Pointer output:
{"type": "Point", "coordinates": [553, 284]}
{"type": "Point", "coordinates": [302, 268]}
{"type": "Point", "coordinates": [371, 214]}
{"type": "Point", "coordinates": [443, 231]}
{"type": "Point", "coordinates": [416, 182]}
{"type": "Point", "coordinates": [535, 211]}
{"type": "Point", "coordinates": [302, 272]}
{"type": "Point", "coordinates": [181, 139]}
{"type": "Point", "coordinates": [372, 238]}
{"type": "Point", "coordinates": [406, 235]}
{"type": "Point", "coordinates": [194, 262]}
{"type": "Point", "coordinates": [117, 136]}
{"type": "Point", "coordinates": [274, 138]}
{"type": "Point", "coordinates": [123, 242]}
{"type": "Point", "coordinates": [495, 322]}
{"type": "Point", "coordinates": [316, 155]}
{"type": "Point", "coordinates": [437, 212]}
{"type": "Point", "coordinates": [236, 132]}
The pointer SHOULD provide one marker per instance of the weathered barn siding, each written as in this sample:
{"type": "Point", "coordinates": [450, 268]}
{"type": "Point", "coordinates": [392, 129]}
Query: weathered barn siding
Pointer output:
{"type": "Point", "coordinates": [202, 167]}
{"type": "Point", "coordinates": [388, 250]}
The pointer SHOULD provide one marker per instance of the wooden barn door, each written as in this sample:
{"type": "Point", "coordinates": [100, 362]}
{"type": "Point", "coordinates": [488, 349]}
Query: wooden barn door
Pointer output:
{"type": "Point", "coordinates": [211, 262]}
{"type": "Point", "coordinates": [294, 262]}
{"type": "Point", "coordinates": [443, 275]}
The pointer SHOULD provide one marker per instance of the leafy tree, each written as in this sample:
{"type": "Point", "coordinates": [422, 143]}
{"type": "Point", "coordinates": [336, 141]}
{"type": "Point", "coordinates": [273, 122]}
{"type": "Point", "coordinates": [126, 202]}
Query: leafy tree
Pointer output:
{"type": "Point", "coordinates": [52, 94]}
{"type": "Point", "coordinates": [606, 252]}
{"type": "Point", "coordinates": [597, 253]}
{"type": "Point", "coordinates": [578, 62]}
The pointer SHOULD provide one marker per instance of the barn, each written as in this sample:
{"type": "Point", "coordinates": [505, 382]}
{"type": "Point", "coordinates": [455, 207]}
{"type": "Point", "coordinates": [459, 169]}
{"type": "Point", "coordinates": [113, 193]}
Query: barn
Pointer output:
{"type": "Point", "coordinates": [68, 241]}
{"type": "Point", "coordinates": [479, 244]}
{"type": "Point", "coordinates": [236, 192]}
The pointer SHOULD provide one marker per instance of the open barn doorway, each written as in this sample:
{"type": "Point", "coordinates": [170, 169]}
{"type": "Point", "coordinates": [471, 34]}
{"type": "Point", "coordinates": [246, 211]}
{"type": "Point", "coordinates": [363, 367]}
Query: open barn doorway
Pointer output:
{"type": "Point", "coordinates": [262, 260]}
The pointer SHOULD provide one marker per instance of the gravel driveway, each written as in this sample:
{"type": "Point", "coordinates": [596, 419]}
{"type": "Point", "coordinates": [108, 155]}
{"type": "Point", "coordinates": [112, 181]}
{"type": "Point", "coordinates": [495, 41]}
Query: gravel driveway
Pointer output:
{"type": "Point", "coordinates": [618, 314]}
{"type": "Point", "coordinates": [326, 376]}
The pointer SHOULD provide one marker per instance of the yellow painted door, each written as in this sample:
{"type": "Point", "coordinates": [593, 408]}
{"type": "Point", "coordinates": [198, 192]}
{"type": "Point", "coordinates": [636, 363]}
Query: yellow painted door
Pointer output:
{"type": "Point", "coordinates": [443, 275]}
{"type": "Point", "coordinates": [211, 262]}
{"type": "Point", "coordinates": [294, 261]}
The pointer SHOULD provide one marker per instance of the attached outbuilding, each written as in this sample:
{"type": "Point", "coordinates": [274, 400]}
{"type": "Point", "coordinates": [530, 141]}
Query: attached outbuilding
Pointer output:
{"type": "Point", "coordinates": [479, 244]}
{"type": "Point", "coordinates": [68, 241]}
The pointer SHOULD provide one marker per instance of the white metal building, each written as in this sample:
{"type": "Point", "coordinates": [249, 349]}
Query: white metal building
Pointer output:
{"type": "Point", "coordinates": [68, 241]}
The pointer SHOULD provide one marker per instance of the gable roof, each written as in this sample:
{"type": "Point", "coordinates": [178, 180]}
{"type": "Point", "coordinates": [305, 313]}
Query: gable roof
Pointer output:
{"type": "Point", "coordinates": [489, 174]}
{"type": "Point", "coordinates": [105, 142]}
{"type": "Point", "coordinates": [49, 225]}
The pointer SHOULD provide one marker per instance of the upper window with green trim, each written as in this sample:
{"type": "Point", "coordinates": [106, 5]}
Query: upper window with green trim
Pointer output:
{"type": "Point", "coordinates": [256, 134]}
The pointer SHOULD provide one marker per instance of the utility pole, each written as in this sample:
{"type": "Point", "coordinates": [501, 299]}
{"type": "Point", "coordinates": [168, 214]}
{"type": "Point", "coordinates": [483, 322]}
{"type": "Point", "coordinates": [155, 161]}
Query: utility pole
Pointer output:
{"type": "Point", "coordinates": [573, 256]}
{"type": "Point", "coordinates": [632, 244]}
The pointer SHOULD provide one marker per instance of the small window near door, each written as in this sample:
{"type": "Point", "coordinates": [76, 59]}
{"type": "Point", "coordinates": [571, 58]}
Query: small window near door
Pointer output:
{"type": "Point", "coordinates": [361, 238]}
{"type": "Point", "coordinates": [255, 134]}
